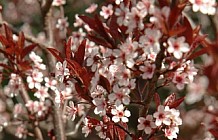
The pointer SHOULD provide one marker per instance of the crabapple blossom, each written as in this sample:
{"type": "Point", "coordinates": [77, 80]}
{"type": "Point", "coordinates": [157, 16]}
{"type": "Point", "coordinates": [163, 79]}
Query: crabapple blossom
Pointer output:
{"type": "Point", "coordinates": [106, 11]}
{"type": "Point", "coordinates": [37, 61]}
{"type": "Point", "coordinates": [21, 132]}
{"type": "Point", "coordinates": [150, 41]}
{"type": "Point", "coordinates": [148, 70]}
{"type": "Point", "coordinates": [171, 133]}
{"type": "Point", "coordinates": [35, 79]}
{"type": "Point", "coordinates": [36, 107]}
{"type": "Point", "coordinates": [62, 93]}
{"type": "Point", "coordinates": [87, 127]}
{"type": "Point", "coordinates": [91, 8]}
{"type": "Point", "coordinates": [120, 95]}
{"type": "Point", "coordinates": [146, 124]}
{"type": "Point", "coordinates": [119, 114]}
{"type": "Point", "coordinates": [196, 90]}
{"type": "Point", "coordinates": [50, 83]}
{"type": "Point", "coordinates": [62, 23]}
{"type": "Point", "coordinates": [18, 109]}
{"type": "Point", "coordinates": [71, 111]}
{"type": "Point", "coordinates": [13, 87]}
{"type": "Point", "coordinates": [180, 80]}
{"type": "Point", "coordinates": [118, 2]}
{"type": "Point", "coordinates": [61, 71]}
{"type": "Point", "coordinates": [78, 22]}
{"type": "Point", "coordinates": [41, 93]}
{"type": "Point", "coordinates": [204, 6]}
{"type": "Point", "coordinates": [177, 46]}
{"type": "Point", "coordinates": [101, 130]}
{"type": "Point", "coordinates": [161, 116]}
{"type": "Point", "coordinates": [58, 2]}
{"type": "Point", "coordinates": [101, 106]}
{"type": "Point", "coordinates": [121, 14]}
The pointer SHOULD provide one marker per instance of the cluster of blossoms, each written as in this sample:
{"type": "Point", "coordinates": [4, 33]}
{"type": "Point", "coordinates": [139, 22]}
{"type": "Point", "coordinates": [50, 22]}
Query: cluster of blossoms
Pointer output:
{"type": "Point", "coordinates": [166, 118]}
{"type": "Point", "coordinates": [115, 61]}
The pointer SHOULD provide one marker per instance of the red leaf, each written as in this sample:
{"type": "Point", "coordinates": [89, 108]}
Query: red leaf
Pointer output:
{"type": "Point", "coordinates": [90, 22]}
{"type": "Point", "coordinates": [4, 41]}
{"type": "Point", "coordinates": [179, 30]}
{"type": "Point", "coordinates": [188, 33]}
{"type": "Point", "coordinates": [6, 66]}
{"type": "Point", "coordinates": [82, 92]}
{"type": "Point", "coordinates": [105, 83]}
{"type": "Point", "coordinates": [8, 33]}
{"type": "Point", "coordinates": [27, 50]}
{"type": "Point", "coordinates": [157, 99]}
{"type": "Point", "coordinates": [170, 99]}
{"type": "Point", "coordinates": [163, 3]}
{"type": "Point", "coordinates": [177, 102]}
{"type": "Point", "coordinates": [198, 53]}
{"type": "Point", "coordinates": [80, 53]}
{"type": "Point", "coordinates": [56, 54]}
{"type": "Point", "coordinates": [214, 132]}
{"type": "Point", "coordinates": [67, 46]}
{"type": "Point", "coordinates": [99, 41]}
{"type": "Point", "coordinates": [21, 41]}
{"type": "Point", "coordinates": [114, 29]}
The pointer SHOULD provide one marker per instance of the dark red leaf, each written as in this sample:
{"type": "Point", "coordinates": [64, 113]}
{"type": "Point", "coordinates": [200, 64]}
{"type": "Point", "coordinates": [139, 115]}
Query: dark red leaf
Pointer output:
{"type": "Point", "coordinates": [214, 132]}
{"type": "Point", "coordinates": [170, 99]}
{"type": "Point", "coordinates": [114, 29]}
{"type": "Point", "coordinates": [198, 53]}
{"type": "Point", "coordinates": [56, 54]}
{"type": "Point", "coordinates": [177, 102]}
{"type": "Point", "coordinates": [105, 83]}
{"type": "Point", "coordinates": [21, 40]}
{"type": "Point", "coordinates": [82, 92]}
{"type": "Point", "coordinates": [27, 50]}
{"type": "Point", "coordinates": [24, 66]}
{"type": "Point", "coordinates": [99, 41]}
{"type": "Point", "coordinates": [8, 33]}
{"type": "Point", "coordinates": [90, 22]}
{"type": "Point", "coordinates": [6, 66]}
{"type": "Point", "coordinates": [80, 53]}
{"type": "Point", "coordinates": [67, 46]}
{"type": "Point", "coordinates": [4, 41]}
{"type": "Point", "coordinates": [179, 30]}
{"type": "Point", "coordinates": [163, 3]}
{"type": "Point", "coordinates": [188, 33]}
{"type": "Point", "coordinates": [157, 99]}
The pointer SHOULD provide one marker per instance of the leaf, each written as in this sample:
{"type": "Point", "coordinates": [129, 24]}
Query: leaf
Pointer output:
{"type": "Point", "coordinates": [99, 41]}
{"type": "Point", "coordinates": [188, 33]}
{"type": "Point", "coordinates": [163, 3]}
{"type": "Point", "coordinates": [56, 54]}
{"type": "Point", "coordinates": [198, 53]}
{"type": "Point", "coordinates": [80, 53]}
{"type": "Point", "coordinates": [21, 41]}
{"type": "Point", "coordinates": [8, 33]}
{"type": "Point", "coordinates": [104, 83]}
{"type": "Point", "coordinates": [67, 46]}
{"type": "Point", "coordinates": [179, 30]}
{"type": "Point", "coordinates": [157, 99]}
{"type": "Point", "coordinates": [6, 66]}
{"type": "Point", "coordinates": [170, 99]}
{"type": "Point", "coordinates": [27, 50]}
{"type": "Point", "coordinates": [214, 132]}
{"type": "Point", "coordinates": [82, 92]}
{"type": "Point", "coordinates": [4, 41]}
{"type": "Point", "coordinates": [177, 102]}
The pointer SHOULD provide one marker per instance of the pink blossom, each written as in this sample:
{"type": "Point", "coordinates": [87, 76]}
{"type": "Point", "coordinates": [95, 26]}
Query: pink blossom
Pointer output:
{"type": "Point", "coordinates": [35, 79]}
{"type": "Point", "coordinates": [101, 106]}
{"type": "Point", "coordinates": [177, 46]}
{"type": "Point", "coordinates": [58, 2]}
{"type": "Point", "coordinates": [50, 83]}
{"type": "Point", "coordinates": [91, 8]}
{"type": "Point", "coordinates": [106, 11]}
{"type": "Point", "coordinates": [148, 70]}
{"type": "Point", "coordinates": [41, 93]}
{"type": "Point", "coordinates": [120, 114]}
{"type": "Point", "coordinates": [146, 124]}
{"type": "Point", "coordinates": [180, 80]}
{"type": "Point", "coordinates": [204, 6]}
{"type": "Point", "coordinates": [161, 116]}
{"type": "Point", "coordinates": [61, 71]}
{"type": "Point", "coordinates": [62, 23]}
{"type": "Point", "coordinates": [71, 111]}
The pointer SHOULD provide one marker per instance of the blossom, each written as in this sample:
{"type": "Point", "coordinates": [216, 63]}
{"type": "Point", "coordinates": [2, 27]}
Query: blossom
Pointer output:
{"type": "Point", "coordinates": [35, 79]}
{"type": "Point", "coordinates": [91, 8]}
{"type": "Point", "coordinates": [150, 41]}
{"type": "Point", "coordinates": [177, 46]}
{"type": "Point", "coordinates": [120, 114]}
{"type": "Point", "coordinates": [42, 93]}
{"type": "Point", "coordinates": [146, 124]}
{"type": "Point", "coordinates": [37, 61]}
{"type": "Point", "coordinates": [58, 2]}
{"type": "Point", "coordinates": [180, 80]}
{"type": "Point", "coordinates": [119, 96]}
{"type": "Point", "coordinates": [171, 133]}
{"type": "Point", "coordinates": [121, 14]}
{"type": "Point", "coordinates": [21, 132]}
{"type": "Point", "coordinates": [106, 11]}
{"type": "Point", "coordinates": [50, 83]}
{"type": "Point", "coordinates": [101, 105]}
{"type": "Point", "coordinates": [14, 85]}
{"type": "Point", "coordinates": [204, 6]}
{"type": "Point", "coordinates": [61, 70]}
{"type": "Point", "coordinates": [87, 127]}
{"type": "Point", "coordinates": [148, 70]}
{"type": "Point", "coordinates": [161, 116]}
{"type": "Point", "coordinates": [71, 111]}
{"type": "Point", "coordinates": [62, 23]}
